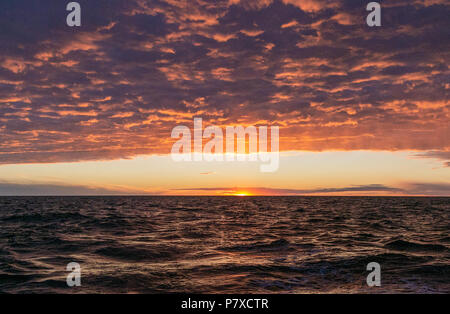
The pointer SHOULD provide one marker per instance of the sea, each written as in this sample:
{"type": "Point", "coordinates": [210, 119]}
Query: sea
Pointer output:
{"type": "Point", "coordinates": [226, 245]}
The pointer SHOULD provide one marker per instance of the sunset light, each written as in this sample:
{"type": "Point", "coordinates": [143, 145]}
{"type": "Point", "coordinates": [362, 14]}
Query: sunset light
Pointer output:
{"type": "Point", "coordinates": [242, 194]}
{"type": "Point", "coordinates": [224, 147]}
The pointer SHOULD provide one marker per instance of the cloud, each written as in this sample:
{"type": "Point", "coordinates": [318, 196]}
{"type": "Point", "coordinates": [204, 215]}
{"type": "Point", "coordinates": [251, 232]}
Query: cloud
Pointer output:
{"type": "Point", "coordinates": [442, 189]}
{"type": "Point", "coordinates": [251, 4]}
{"type": "Point", "coordinates": [17, 189]}
{"type": "Point", "coordinates": [43, 189]}
{"type": "Point", "coordinates": [280, 191]}
{"type": "Point", "coordinates": [116, 87]}
{"type": "Point", "coordinates": [313, 5]}
{"type": "Point", "coordinates": [440, 155]}
{"type": "Point", "coordinates": [410, 188]}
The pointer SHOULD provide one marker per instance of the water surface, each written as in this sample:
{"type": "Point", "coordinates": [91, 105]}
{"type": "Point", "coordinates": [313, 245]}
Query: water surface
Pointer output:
{"type": "Point", "coordinates": [224, 244]}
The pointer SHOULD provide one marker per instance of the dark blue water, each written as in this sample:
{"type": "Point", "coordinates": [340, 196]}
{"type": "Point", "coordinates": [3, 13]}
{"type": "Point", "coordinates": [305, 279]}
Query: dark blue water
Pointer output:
{"type": "Point", "coordinates": [224, 244]}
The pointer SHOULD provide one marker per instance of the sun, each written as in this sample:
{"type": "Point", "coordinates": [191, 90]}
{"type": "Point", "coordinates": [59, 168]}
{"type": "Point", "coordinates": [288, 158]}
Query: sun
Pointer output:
{"type": "Point", "coordinates": [241, 194]}
{"type": "Point", "coordinates": [237, 193]}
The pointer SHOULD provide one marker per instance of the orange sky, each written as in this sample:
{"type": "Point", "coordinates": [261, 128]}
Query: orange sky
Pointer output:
{"type": "Point", "coordinates": [90, 110]}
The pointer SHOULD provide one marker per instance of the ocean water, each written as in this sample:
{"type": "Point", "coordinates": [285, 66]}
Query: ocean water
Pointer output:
{"type": "Point", "coordinates": [224, 244]}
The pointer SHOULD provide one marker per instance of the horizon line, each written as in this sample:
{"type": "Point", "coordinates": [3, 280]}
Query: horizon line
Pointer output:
{"type": "Point", "coordinates": [215, 195]}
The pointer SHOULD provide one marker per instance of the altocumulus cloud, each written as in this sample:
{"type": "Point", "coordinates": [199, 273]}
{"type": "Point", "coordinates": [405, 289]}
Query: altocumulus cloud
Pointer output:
{"type": "Point", "coordinates": [115, 87]}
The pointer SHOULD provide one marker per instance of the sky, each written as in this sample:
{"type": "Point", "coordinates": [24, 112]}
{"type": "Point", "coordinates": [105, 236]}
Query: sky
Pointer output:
{"type": "Point", "coordinates": [89, 110]}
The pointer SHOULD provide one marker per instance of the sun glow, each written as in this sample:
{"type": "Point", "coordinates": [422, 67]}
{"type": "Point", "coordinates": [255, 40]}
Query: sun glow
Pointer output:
{"type": "Point", "coordinates": [241, 194]}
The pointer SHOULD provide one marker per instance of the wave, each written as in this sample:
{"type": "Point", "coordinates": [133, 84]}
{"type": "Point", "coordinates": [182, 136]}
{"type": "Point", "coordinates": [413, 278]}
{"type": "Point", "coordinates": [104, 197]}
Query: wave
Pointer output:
{"type": "Point", "coordinates": [43, 217]}
{"type": "Point", "coordinates": [258, 246]}
{"type": "Point", "coordinates": [402, 245]}
{"type": "Point", "coordinates": [214, 244]}
{"type": "Point", "coordinates": [139, 254]}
